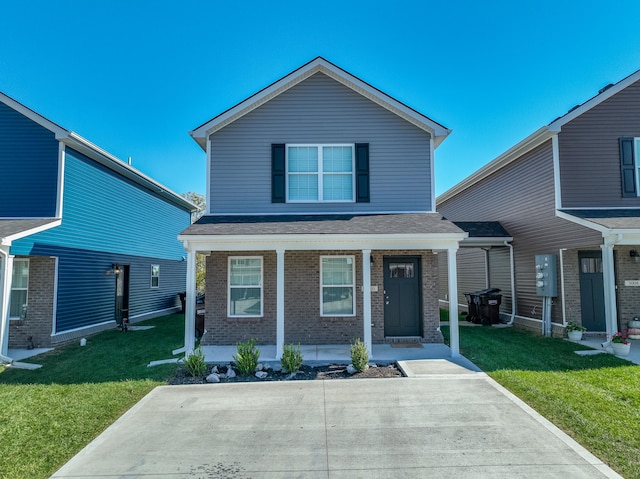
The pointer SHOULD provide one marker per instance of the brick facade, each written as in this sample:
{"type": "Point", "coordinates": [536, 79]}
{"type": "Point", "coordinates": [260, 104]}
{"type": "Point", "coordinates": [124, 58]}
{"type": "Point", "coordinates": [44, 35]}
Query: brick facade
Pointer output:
{"type": "Point", "coordinates": [627, 268]}
{"type": "Point", "coordinates": [35, 330]}
{"type": "Point", "coordinates": [303, 323]}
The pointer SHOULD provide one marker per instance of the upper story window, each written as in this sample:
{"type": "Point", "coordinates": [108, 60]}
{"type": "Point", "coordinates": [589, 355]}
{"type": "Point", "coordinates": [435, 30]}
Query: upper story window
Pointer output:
{"type": "Point", "coordinates": [320, 173]}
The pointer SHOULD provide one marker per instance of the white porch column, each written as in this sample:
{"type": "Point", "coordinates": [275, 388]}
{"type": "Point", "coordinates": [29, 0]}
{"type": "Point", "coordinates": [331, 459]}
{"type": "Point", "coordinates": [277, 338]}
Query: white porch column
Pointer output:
{"type": "Point", "coordinates": [454, 339]}
{"type": "Point", "coordinates": [190, 304]}
{"type": "Point", "coordinates": [279, 303]}
{"type": "Point", "coordinates": [366, 297]}
{"type": "Point", "coordinates": [6, 271]}
{"type": "Point", "coordinates": [608, 277]}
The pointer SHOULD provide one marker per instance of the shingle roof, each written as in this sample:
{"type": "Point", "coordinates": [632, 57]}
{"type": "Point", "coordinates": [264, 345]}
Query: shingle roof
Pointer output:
{"type": "Point", "coordinates": [11, 227]}
{"type": "Point", "coordinates": [613, 219]}
{"type": "Point", "coordinates": [340, 224]}
{"type": "Point", "coordinates": [483, 229]}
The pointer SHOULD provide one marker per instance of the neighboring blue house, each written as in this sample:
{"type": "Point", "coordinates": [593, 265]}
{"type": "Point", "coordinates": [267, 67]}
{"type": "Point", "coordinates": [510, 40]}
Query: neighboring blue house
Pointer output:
{"type": "Point", "coordinates": [85, 239]}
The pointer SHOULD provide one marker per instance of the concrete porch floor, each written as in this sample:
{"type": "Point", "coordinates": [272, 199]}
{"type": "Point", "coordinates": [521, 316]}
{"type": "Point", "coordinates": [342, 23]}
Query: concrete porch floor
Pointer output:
{"type": "Point", "coordinates": [340, 353]}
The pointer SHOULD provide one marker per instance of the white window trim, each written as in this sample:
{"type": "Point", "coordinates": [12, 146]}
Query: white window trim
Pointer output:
{"type": "Point", "coordinates": [152, 276]}
{"type": "Point", "coordinates": [320, 173]}
{"type": "Point", "coordinates": [229, 287]}
{"type": "Point", "coordinates": [352, 286]}
{"type": "Point", "coordinates": [19, 260]}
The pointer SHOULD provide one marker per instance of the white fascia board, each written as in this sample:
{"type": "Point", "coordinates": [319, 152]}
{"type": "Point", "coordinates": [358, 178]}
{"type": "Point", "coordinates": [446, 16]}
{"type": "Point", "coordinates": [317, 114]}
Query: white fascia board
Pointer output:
{"type": "Point", "coordinates": [32, 115]}
{"type": "Point", "coordinates": [105, 158]}
{"type": "Point", "coordinates": [321, 65]}
{"type": "Point", "coordinates": [320, 242]}
{"type": "Point", "coordinates": [582, 222]}
{"type": "Point", "coordinates": [479, 242]}
{"type": "Point", "coordinates": [529, 143]}
{"type": "Point", "coordinates": [7, 240]}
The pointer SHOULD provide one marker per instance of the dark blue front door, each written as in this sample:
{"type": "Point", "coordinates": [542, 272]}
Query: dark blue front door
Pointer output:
{"type": "Point", "coordinates": [402, 296]}
{"type": "Point", "coordinates": [592, 290]}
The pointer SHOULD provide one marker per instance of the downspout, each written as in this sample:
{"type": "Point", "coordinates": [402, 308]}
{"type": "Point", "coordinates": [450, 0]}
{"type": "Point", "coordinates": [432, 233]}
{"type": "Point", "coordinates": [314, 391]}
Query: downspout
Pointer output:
{"type": "Point", "coordinates": [513, 282]}
{"type": "Point", "coordinates": [4, 312]}
{"type": "Point", "coordinates": [564, 305]}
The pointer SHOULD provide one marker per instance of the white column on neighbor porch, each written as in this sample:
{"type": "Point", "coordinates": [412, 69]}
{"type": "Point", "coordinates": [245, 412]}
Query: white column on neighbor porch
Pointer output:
{"type": "Point", "coordinates": [608, 277]}
{"type": "Point", "coordinates": [190, 304]}
{"type": "Point", "coordinates": [6, 271]}
{"type": "Point", "coordinates": [279, 302]}
{"type": "Point", "coordinates": [366, 297]}
{"type": "Point", "coordinates": [454, 338]}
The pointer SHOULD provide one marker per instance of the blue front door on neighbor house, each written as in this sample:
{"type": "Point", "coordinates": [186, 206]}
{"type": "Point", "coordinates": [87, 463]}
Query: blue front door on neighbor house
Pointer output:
{"type": "Point", "coordinates": [402, 298]}
{"type": "Point", "coordinates": [592, 290]}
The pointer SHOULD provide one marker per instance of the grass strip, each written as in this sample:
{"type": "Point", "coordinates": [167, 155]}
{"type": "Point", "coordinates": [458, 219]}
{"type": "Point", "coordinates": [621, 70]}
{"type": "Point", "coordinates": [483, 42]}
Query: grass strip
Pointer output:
{"type": "Point", "coordinates": [48, 415]}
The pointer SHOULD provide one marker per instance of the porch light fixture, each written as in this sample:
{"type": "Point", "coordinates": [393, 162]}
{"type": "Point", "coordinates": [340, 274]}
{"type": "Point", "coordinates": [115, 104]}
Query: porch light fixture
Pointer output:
{"type": "Point", "coordinates": [634, 254]}
{"type": "Point", "coordinates": [115, 269]}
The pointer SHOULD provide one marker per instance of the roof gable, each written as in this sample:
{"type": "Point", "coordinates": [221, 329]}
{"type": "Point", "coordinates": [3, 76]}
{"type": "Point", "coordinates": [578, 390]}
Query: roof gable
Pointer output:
{"type": "Point", "coordinates": [97, 154]}
{"type": "Point", "coordinates": [538, 137]}
{"type": "Point", "coordinates": [319, 65]}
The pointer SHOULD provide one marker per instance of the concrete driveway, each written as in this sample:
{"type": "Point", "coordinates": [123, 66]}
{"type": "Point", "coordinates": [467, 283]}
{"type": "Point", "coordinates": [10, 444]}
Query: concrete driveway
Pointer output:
{"type": "Point", "coordinates": [444, 421]}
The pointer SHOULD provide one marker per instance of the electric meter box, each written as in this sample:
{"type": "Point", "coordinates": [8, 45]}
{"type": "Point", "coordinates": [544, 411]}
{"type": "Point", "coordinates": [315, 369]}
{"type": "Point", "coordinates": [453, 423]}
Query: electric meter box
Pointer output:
{"type": "Point", "coordinates": [546, 275]}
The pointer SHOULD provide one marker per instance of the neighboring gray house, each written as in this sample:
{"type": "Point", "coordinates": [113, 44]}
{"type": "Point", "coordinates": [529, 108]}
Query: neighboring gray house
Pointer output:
{"type": "Point", "coordinates": [320, 225]}
{"type": "Point", "coordinates": [570, 190]}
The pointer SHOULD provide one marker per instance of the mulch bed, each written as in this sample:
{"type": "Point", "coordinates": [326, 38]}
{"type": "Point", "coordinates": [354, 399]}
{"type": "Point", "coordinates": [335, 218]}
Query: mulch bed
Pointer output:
{"type": "Point", "coordinates": [306, 373]}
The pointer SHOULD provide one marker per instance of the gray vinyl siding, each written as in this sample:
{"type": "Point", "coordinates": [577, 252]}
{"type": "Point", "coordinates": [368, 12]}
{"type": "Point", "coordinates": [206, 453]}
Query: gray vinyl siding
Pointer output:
{"type": "Point", "coordinates": [521, 197]}
{"type": "Point", "coordinates": [316, 111]}
{"type": "Point", "coordinates": [589, 152]}
{"type": "Point", "coordinates": [471, 270]}
{"type": "Point", "coordinates": [500, 275]}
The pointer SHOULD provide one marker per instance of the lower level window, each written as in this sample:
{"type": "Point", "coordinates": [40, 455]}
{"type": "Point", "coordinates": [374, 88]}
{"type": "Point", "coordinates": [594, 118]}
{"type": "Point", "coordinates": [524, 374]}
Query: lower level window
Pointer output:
{"type": "Point", "coordinates": [19, 289]}
{"type": "Point", "coordinates": [245, 286]}
{"type": "Point", "coordinates": [337, 296]}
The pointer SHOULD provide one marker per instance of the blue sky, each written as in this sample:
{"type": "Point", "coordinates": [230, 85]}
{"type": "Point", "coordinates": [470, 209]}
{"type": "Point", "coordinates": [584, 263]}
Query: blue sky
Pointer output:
{"type": "Point", "coordinates": [135, 76]}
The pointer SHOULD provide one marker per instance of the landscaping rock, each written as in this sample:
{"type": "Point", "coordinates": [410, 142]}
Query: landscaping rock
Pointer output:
{"type": "Point", "coordinates": [262, 374]}
{"type": "Point", "coordinates": [213, 378]}
{"type": "Point", "coordinates": [230, 372]}
{"type": "Point", "coordinates": [351, 369]}
{"type": "Point", "coordinates": [259, 367]}
{"type": "Point", "coordinates": [214, 370]}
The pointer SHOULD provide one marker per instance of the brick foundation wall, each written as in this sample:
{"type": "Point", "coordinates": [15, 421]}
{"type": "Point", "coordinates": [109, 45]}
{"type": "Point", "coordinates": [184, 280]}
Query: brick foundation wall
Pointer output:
{"type": "Point", "coordinates": [303, 323]}
{"type": "Point", "coordinates": [38, 322]}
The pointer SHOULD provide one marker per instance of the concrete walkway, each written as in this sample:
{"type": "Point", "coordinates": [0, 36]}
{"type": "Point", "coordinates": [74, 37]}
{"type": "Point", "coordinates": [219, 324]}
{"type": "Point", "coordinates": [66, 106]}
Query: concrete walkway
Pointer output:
{"type": "Point", "coordinates": [445, 420]}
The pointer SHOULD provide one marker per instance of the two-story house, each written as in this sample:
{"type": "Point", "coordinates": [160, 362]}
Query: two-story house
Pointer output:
{"type": "Point", "coordinates": [569, 190]}
{"type": "Point", "coordinates": [320, 225]}
{"type": "Point", "coordinates": [85, 239]}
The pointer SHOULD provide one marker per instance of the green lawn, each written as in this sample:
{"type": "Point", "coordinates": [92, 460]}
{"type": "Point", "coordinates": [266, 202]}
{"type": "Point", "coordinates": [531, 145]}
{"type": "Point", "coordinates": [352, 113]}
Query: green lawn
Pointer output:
{"type": "Point", "coordinates": [48, 415]}
{"type": "Point", "coordinates": [595, 399]}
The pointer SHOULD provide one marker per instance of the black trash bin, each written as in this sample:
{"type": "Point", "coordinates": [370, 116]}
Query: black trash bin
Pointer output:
{"type": "Point", "coordinates": [183, 301]}
{"type": "Point", "coordinates": [489, 306]}
{"type": "Point", "coordinates": [472, 306]}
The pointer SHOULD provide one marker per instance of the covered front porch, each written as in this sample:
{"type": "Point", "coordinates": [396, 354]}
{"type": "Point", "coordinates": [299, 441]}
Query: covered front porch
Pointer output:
{"type": "Point", "coordinates": [280, 245]}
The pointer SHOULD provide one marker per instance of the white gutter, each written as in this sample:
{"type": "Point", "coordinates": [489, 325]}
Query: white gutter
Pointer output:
{"type": "Point", "coordinates": [513, 282]}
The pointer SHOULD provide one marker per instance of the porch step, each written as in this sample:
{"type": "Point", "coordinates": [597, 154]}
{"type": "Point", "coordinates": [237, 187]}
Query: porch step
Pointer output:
{"type": "Point", "coordinates": [403, 339]}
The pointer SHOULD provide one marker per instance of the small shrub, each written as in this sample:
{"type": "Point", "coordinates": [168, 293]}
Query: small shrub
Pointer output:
{"type": "Point", "coordinates": [195, 363]}
{"type": "Point", "coordinates": [359, 355]}
{"type": "Point", "coordinates": [291, 358]}
{"type": "Point", "coordinates": [246, 358]}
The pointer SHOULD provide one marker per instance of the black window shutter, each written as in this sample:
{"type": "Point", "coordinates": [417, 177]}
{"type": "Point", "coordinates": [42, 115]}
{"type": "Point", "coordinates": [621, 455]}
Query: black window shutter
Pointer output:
{"type": "Point", "coordinates": [362, 172]}
{"type": "Point", "coordinates": [278, 174]}
{"type": "Point", "coordinates": [628, 167]}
